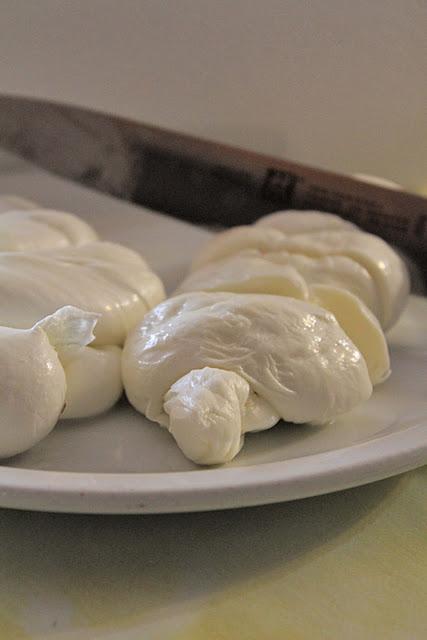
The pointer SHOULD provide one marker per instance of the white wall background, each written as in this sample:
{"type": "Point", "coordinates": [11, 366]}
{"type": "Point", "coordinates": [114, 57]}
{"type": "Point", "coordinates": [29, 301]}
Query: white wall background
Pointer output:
{"type": "Point", "coordinates": [336, 83]}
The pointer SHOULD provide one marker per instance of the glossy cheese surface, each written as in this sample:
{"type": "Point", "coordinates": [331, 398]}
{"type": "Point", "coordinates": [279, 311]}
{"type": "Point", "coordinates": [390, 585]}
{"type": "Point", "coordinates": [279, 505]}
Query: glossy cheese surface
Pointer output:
{"type": "Point", "coordinates": [31, 229]}
{"type": "Point", "coordinates": [292, 354]}
{"type": "Point", "coordinates": [102, 277]}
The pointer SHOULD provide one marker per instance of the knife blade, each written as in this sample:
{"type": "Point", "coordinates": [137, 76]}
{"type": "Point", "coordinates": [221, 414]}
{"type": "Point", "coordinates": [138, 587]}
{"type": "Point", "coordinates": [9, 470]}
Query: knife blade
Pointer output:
{"type": "Point", "coordinates": [196, 179]}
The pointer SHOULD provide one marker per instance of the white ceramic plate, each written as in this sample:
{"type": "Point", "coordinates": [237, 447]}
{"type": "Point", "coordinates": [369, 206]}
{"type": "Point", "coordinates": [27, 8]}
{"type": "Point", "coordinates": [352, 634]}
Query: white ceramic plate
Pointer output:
{"type": "Point", "coordinates": [121, 463]}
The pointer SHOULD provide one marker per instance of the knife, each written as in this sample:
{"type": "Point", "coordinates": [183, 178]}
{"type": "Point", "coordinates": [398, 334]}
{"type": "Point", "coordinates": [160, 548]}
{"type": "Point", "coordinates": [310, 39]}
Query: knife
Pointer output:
{"type": "Point", "coordinates": [196, 179]}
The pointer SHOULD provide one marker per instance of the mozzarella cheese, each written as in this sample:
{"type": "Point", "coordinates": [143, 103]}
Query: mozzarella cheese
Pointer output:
{"type": "Point", "coordinates": [376, 256]}
{"type": "Point", "coordinates": [250, 273]}
{"type": "Point", "coordinates": [28, 229]}
{"type": "Point", "coordinates": [101, 277]}
{"type": "Point", "coordinates": [293, 356]}
{"type": "Point", "coordinates": [210, 409]}
{"type": "Point", "coordinates": [379, 273]}
{"type": "Point", "coordinates": [34, 388]}
{"type": "Point", "coordinates": [292, 221]}
{"type": "Point", "coordinates": [359, 324]}
{"type": "Point", "coordinates": [205, 409]}
{"type": "Point", "coordinates": [258, 274]}
{"type": "Point", "coordinates": [282, 273]}
{"type": "Point", "coordinates": [14, 203]}
{"type": "Point", "coordinates": [237, 240]}
{"type": "Point", "coordinates": [93, 374]}
{"type": "Point", "coordinates": [336, 271]}
{"type": "Point", "coordinates": [94, 379]}
{"type": "Point", "coordinates": [50, 372]}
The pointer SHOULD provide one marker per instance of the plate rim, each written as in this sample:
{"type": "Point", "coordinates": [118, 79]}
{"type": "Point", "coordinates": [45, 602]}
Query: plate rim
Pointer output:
{"type": "Point", "coordinates": [167, 492]}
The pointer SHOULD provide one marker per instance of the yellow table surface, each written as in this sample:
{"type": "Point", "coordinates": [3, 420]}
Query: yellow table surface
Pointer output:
{"type": "Point", "coordinates": [347, 565]}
